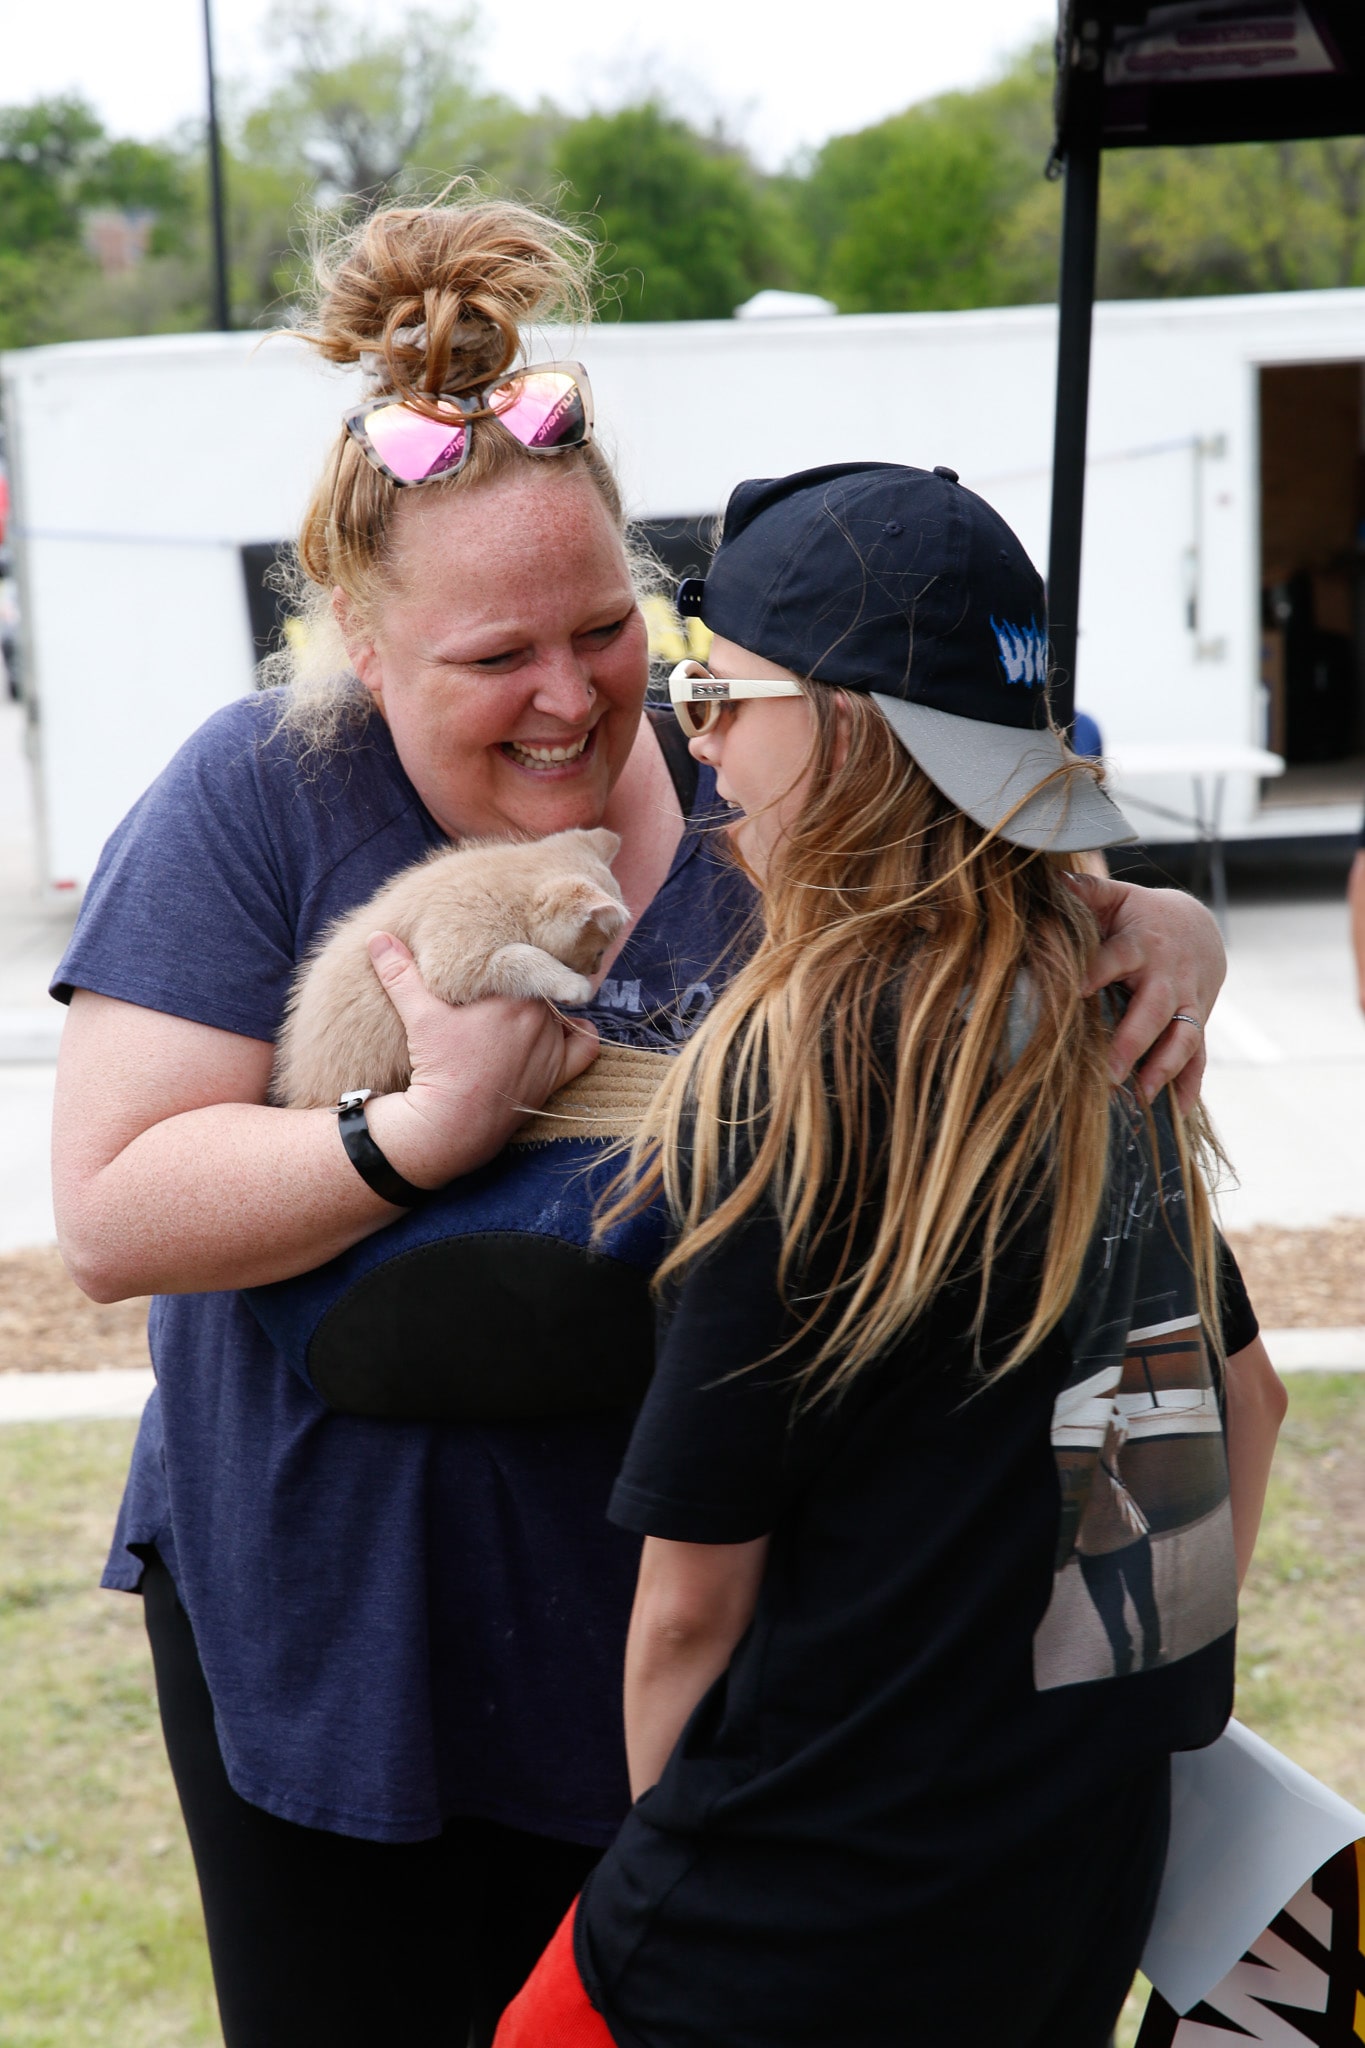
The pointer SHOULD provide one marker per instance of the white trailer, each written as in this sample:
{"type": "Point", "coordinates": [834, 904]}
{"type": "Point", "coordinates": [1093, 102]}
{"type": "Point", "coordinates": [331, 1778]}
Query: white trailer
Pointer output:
{"type": "Point", "coordinates": [1225, 477]}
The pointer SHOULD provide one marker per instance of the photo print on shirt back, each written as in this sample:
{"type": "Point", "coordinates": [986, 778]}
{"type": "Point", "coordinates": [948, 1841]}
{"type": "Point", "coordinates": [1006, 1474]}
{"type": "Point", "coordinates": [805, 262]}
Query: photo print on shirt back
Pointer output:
{"type": "Point", "coordinates": [1145, 1571]}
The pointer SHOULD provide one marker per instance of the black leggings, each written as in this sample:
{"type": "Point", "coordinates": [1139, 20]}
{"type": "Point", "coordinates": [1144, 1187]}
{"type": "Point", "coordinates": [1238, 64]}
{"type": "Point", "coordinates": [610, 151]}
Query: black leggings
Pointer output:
{"type": "Point", "coordinates": [324, 1941]}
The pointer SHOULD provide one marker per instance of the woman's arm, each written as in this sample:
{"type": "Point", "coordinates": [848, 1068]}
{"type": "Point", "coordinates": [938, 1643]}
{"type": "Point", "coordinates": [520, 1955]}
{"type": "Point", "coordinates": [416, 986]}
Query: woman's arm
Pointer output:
{"type": "Point", "coordinates": [171, 1175]}
{"type": "Point", "coordinates": [693, 1602]}
{"type": "Point", "coordinates": [1256, 1404]}
{"type": "Point", "coordinates": [1167, 951]}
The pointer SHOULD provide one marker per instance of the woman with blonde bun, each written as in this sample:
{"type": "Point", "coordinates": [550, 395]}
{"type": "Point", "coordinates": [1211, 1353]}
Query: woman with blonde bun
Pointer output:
{"type": "Point", "coordinates": [387, 1629]}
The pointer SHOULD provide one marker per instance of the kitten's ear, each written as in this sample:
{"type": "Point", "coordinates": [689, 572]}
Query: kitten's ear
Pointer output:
{"type": "Point", "coordinates": [582, 902]}
{"type": "Point", "coordinates": [605, 915]}
{"type": "Point", "coordinates": [606, 845]}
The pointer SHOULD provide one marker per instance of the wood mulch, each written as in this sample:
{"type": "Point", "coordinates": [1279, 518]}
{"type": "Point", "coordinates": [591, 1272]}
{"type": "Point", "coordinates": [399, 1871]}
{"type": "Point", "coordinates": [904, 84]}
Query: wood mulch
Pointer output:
{"type": "Point", "coordinates": [47, 1325]}
{"type": "Point", "coordinates": [1298, 1279]}
{"type": "Point", "coordinates": [1305, 1279]}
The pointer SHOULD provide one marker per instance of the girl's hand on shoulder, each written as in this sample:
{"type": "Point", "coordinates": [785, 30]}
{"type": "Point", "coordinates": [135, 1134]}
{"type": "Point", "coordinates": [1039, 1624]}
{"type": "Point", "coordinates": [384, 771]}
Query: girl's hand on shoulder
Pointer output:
{"type": "Point", "coordinates": [478, 1071]}
{"type": "Point", "coordinates": [1166, 950]}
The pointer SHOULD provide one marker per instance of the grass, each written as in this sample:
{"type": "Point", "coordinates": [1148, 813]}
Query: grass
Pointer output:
{"type": "Point", "coordinates": [99, 1917]}
{"type": "Point", "coordinates": [1300, 1674]}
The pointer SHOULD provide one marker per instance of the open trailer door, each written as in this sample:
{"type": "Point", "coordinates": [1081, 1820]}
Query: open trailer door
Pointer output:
{"type": "Point", "coordinates": [1132, 75]}
{"type": "Point", "coordinates": [1312, 517]}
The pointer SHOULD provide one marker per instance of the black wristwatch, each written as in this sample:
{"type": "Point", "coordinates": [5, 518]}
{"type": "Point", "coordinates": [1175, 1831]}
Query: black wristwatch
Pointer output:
{"type": "Point", "coordinates": [366, 1157]}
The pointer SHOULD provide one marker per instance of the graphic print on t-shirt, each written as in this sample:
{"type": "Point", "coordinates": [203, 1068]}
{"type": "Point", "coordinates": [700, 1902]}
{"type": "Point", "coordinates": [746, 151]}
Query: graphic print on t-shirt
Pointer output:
{"type": "Point", "coordinates": [1144, 1569]}
{"type": "Point", "coordinates": [623, 1017]}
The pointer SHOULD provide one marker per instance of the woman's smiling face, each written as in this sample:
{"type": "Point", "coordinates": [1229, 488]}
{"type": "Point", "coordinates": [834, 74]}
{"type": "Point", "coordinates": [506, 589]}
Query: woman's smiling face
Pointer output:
{"type": "Point", "coordinates": [509, 657]}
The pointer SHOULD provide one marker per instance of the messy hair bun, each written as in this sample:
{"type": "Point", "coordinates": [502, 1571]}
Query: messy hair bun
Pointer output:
{"type": "Point", "coordinates": [427, 299]}
{"type": "Point", "coordinates": [434, 298]}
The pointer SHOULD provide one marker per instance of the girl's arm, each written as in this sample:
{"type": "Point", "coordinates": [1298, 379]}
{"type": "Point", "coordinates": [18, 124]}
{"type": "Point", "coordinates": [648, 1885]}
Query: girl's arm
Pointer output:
{"type": "Point", "coordinates": [1256, 1404]}
{"type": "Point", "coordinates": [693, 1602]}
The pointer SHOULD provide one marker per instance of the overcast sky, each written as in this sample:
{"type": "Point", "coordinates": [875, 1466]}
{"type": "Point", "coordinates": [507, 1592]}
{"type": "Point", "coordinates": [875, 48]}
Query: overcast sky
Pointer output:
{"type": "Point", "coordinates": [784, 76]}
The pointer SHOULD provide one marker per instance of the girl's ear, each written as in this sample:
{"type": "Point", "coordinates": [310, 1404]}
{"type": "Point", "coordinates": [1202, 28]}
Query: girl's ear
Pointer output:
{"type": "Point", "coordinates": [360, 647]}
{"type": "Point", "coordinates": [842, 733]}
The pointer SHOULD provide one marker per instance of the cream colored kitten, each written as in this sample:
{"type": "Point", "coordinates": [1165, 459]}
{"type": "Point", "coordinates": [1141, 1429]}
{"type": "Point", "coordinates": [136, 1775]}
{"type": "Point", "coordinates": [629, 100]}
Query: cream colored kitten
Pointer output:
{"type": "Point", "coordinates": [490, 918]}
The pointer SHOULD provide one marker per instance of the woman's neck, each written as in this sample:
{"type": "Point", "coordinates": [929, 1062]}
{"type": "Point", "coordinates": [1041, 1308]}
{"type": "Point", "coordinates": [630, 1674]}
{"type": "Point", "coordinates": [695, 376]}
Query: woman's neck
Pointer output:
{"type": "Point", "coordinates": [643, 807]}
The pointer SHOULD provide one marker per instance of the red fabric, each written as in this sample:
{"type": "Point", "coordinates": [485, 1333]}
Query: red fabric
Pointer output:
{"type": "Point", "coordinates": [552, 2010]}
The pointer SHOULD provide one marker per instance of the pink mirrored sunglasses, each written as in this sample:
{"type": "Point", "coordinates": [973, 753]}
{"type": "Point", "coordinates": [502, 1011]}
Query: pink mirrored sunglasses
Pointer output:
{"type": "Point", "coordinates": [547, 407]}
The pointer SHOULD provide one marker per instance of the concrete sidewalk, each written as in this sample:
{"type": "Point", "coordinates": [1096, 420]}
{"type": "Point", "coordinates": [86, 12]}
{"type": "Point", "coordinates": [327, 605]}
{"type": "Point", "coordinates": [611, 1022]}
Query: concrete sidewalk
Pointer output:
{"type": "Point", "coordinates": [74, 1396]}
{"type": "Point", "coordinates": [33, 928]}
{"type": "Point", "coordinates": [96, 1396]}
{"type": "Point", "coordinates": [1340, 1350]}
{"type": "Point", "coordinates": [33, 936]}
{"type": "Point", "coordinates": [1286, 1076]}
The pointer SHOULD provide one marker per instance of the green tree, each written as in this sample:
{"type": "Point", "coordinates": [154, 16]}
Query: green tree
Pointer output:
{"type": "Point", "coordinates": [33, 292]}
{"type": "Point", "coordinates": [44, 149]}
{"type": "Point", "coordinates": [920, 226]}
{"type": "Point", "coordinates": [688, 230]}
{"type": "Point", "coordinates": [268, 210]}
{"type": "Point", "coordinates": [357, 114]}
{"type": "Point", "coordinates": [919, 211]}
{"type": "Point", "coordinates": [944, 206]}
{"type": "Point", "coordinates": [360, 113]}
{"type": "Point", "coordinates": [1255, 217]}
{"type": "Point", "coordinates": [56, 165]}
{"type": "Point", "coordinates": [56, 162]}
{"type": "Point", "coordinates": [140, 177]}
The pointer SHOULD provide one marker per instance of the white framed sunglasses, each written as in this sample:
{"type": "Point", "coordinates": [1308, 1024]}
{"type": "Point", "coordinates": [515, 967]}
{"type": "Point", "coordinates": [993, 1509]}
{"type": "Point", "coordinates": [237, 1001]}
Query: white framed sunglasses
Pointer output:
{"type": "Point", "coordinates": [699, 697]}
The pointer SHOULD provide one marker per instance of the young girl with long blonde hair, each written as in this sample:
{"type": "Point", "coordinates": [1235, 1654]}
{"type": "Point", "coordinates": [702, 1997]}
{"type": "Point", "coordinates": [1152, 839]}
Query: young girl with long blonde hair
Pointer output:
{"type": "Point", "coordinates": [941, 1547]}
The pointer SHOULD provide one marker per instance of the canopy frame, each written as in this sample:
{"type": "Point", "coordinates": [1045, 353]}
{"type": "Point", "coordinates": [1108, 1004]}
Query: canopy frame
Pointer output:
{"type": "Point", "coordinates": [1097, 110]}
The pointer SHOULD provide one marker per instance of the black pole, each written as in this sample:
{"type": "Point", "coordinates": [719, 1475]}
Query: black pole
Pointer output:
{"type": "Point", "coordinates": [222, 314]}
{"type": "Point", "coordinates": [1076, 300]}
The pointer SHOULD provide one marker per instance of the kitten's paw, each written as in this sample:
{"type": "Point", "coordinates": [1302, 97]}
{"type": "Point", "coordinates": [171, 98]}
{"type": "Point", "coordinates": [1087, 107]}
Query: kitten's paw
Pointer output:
{"type": "Point", "coordinates": [528, 971]}
{"type": "Point", "coordinates": [570, 988]}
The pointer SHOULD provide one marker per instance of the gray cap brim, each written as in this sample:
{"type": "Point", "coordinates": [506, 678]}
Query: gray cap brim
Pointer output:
{"type": "Point", "coordinates": [987, 769]}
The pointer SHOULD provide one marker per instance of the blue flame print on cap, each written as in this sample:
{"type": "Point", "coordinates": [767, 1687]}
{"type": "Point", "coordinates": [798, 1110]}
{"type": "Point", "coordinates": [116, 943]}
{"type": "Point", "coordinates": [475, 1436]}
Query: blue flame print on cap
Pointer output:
{"type": "Point", "coordinates": [1023, 651]}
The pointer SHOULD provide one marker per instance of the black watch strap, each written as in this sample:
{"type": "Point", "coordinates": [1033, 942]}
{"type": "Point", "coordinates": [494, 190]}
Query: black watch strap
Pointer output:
{"type": "Point", "coordinates": [366, 1157]}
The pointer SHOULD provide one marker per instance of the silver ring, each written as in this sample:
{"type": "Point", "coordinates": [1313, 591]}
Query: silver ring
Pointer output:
{"type": "Point", "coordinates": [1184, 1017]}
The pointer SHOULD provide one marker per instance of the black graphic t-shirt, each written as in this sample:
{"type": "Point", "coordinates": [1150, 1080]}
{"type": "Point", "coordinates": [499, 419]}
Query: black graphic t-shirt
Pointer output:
{"type": "Point", "coordinates": [928, 1794]}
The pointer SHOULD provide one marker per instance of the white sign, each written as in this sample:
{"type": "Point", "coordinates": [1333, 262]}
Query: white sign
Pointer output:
{"type": "Point", "coordinates": [1248, 1829]}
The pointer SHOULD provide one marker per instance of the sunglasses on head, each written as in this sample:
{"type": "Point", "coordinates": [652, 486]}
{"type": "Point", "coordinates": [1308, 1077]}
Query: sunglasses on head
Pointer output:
{"type": "Point", "coordinates": [699, 697]}
{"type": "Point", "coordinates": [547, 407]}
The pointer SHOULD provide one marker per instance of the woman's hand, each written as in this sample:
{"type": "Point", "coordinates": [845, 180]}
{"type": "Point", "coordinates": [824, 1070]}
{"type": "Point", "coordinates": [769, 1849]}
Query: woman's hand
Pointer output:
{"type": "Point", "coordinates": [477, 1071]}
{"type": "Point", "coordinates": [1166, 950]}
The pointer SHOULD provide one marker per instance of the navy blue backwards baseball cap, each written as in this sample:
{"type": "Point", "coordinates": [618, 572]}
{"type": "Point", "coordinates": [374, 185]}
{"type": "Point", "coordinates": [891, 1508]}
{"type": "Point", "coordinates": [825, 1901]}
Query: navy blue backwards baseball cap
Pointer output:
{"type": "Point", "coordinates": [904, 586]}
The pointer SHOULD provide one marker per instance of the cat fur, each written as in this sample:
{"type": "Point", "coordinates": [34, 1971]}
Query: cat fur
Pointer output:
{"type": "Point", "coordinates": [486, 918]}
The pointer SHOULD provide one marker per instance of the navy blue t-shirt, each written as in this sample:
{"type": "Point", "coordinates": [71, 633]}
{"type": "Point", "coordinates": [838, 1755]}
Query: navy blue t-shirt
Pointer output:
{"type": "Point", "coordinates": [399, 1623]}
